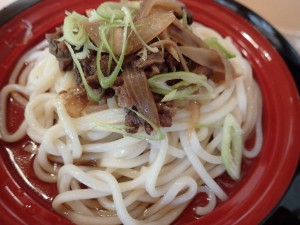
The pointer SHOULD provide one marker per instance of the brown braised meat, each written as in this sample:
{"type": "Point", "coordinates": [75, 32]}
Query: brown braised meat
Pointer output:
{"type": "Point", "coordinates": [89, 66]}
{"type": "Point", "coordinates": [131, 88]}
{"type": "Point", "coordinates": [60, 50]}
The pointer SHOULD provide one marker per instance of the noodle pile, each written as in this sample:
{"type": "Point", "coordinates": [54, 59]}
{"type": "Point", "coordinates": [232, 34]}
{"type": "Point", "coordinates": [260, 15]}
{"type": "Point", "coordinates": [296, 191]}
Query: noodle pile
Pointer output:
{"type": "Point", "coordinates": [105, 177]}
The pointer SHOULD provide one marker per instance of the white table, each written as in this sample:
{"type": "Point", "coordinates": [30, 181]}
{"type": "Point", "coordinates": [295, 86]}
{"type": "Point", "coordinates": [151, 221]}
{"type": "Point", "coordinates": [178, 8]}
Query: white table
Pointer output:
{"type": "Point", "coordinates": [283, 15]}
{"type": "Point", "coordinates": [4, 3]}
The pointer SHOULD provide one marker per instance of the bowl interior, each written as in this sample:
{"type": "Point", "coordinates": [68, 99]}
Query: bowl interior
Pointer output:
{"type": "Point", "coordinates": [250, 200]}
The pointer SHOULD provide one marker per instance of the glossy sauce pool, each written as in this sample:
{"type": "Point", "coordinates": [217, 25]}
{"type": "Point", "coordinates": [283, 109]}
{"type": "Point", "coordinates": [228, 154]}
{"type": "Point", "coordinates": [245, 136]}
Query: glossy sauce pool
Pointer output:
{"type": "Point", "coordinates": [20, 163]}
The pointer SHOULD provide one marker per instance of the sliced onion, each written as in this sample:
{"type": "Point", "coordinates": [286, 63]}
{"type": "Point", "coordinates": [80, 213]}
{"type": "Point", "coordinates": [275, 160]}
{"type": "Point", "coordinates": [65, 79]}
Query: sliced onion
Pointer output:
{"type": "Point", "coordinates": [172, 47]}
{"type": "Point", "coordinates": [148, 28]}
{"type": "Point", "coordinates": [168, 5]}
{"type": "Point", "coordinates": [183, 36]}
{"type": "Point", "coordinates": [92, 29]}
{"type": "Point", "coordinates": [137, 87]}
{"type": "Point", "coordinates": [204, 56]}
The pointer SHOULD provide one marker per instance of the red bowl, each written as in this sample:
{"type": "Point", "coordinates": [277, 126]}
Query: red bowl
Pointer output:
{"type": "Point", "coordinates": [265, 179]}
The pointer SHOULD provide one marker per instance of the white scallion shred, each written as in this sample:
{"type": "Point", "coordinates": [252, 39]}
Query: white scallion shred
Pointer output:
{"type": "Point", "coordinates": [156, 134]}
{"type": "Point", "coordinates": [74, 33]}
{"type": "Point", "coordinates": [84, 53]}
{"type": "Point", "coordinates": [188, 88]}
{"type": "Point", "coordinates": [102, 34]}
{"type": "Point", "coordinates": [215, 44]}
{"type": "Point", "coordinates": [107, 81]}
{"type": "Point", "coordinates": [94, 95]}
{"type": "Point", "coordinates": [232, 146]}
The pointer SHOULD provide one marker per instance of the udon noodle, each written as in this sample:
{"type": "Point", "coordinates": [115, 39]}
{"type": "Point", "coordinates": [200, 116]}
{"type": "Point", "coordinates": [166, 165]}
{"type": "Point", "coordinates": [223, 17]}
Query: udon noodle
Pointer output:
{"type": "Point", "coordinates": [106, 177]}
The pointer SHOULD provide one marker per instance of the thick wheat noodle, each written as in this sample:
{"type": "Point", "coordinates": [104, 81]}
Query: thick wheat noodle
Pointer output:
{"type": "Point", "coordinates": [107, 178]}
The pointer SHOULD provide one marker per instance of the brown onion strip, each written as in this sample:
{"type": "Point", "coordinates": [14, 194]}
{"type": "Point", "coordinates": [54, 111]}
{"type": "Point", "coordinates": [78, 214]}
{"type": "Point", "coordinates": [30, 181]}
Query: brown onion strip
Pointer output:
{"type": "Point", "coordinates": [138, 90]}
{"type": "Point", "coordinates": [167, 5]}
{"type": "Point", "coordinates": [204, 56]}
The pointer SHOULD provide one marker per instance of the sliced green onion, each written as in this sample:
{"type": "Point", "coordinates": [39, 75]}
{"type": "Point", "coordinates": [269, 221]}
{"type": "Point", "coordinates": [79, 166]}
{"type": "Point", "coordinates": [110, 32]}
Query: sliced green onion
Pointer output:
{"type": "Point", "coordinates": [103, 38]}
{"type": "Point", "coordinates": [132, 5]}
{"type": "Point", "coordinates": [84, 53]}
{"type": "Point", "coordinates": [110, 11]}
{"type": "Point", "coordinates": [199, 125]}
{"type": "Point", "coordinates": [107, 82]}
{"type": "Point", "coordinates": [94, 16]}
{"type": "Point", "coordinates": [232, 146]}
{"type": "Point", "coordinates": [181, 84]}
{"type": "Point", "coordinates": [116, 128]}
{"type": "Point", "coordinates": [158, 83]}
{"type": "Point", "coordinates": [77, 16]}
{"type": "Point", "coordinates": [93, 95]}
{"type": "Point", "coordinates": [200, 97]}
{"type": "Point", "coordinates": [91, 46]}
{"type": "Point", "coordinates": [159, 135]}
{"type": "Point", "coordinates": [184, 89]}
{"type": "Point", "coordinates": [215, 44]}
{"type": "Point", "coordinates": [61, 38]}
{"type": "Point", "coordinates": [110, 56]}
{"type": "Point", "coordinates": [74, 33]}
{"type": "Point", "coordinates": [122, 129]}
{"type": "Point", "coordinates": [180, 94]}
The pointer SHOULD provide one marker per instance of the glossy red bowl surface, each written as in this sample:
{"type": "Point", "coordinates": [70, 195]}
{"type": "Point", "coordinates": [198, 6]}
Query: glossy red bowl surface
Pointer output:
{"type": "Point", "coordinates": [264, 180]}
